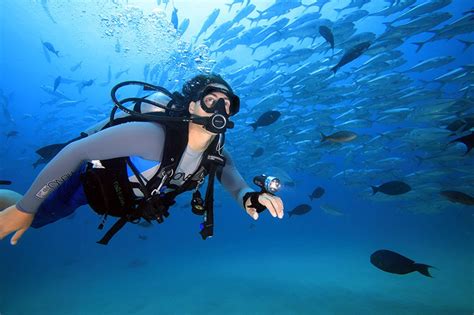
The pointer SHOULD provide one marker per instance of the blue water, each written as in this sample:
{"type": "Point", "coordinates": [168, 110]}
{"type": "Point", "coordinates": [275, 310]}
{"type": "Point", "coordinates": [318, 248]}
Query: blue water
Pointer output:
{"type": "Point", "coordinates": [317, 263]}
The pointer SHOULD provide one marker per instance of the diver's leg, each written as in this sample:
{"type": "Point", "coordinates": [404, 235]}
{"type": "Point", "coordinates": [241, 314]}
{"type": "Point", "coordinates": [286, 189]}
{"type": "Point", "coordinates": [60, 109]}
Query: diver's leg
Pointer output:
{"type": "Point", "coordinates": [8, 198]}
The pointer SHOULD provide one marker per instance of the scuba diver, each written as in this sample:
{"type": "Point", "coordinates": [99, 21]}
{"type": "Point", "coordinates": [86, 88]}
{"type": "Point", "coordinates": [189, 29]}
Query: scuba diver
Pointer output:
{"type": "Point", "coordinates": [132, 167]}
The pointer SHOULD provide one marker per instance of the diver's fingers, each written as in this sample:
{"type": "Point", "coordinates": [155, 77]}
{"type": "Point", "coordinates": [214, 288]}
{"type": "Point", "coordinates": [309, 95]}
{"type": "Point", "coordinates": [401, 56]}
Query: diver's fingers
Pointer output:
{"type": "Point", "coordinates": [280, 208]}
{"type": "Point", "coordinates": [267, 202]}
{"type": "Point", "coordinates": [252, 212]}
{"type": "Point", "coordinates": [17, 236]}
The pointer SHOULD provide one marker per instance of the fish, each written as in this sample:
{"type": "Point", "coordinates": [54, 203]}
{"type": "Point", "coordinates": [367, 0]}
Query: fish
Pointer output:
{"type": "Point", "coordinates": [326, 33]}
{"type": "Point", "coordinates": [230, 5]}
{"type": "Point", "coordinates": [12, 133]}
{"type": "Point", "coordinates": [5, 182]}
{"type": "Point", "coordinates": [300, 210]}
{"type": "Point", "coordinates": [461, 125]}
{"type": "Point", "coordinates": [118, 47]}
{"type": "Point", "coordinates": [4, 101]}
{"type": "Point", "coordinates": [137, 263]}
{"type": "Point", "coordinates": [57, 81]}
{"type": "Point", "coordinates": [423, 9]}
{"type": "Point", "coordinates": [467, 44]}
{"type": "Point", "coordinates": [48, 152]}
{"type": "Point", "coordinates": [109, 77]}
{"type": "Point", "coordinates": [392, 188]}
{"type": "Point", "coordinates": [40, 161]}
{"type": "Point", "coordinates": [119, 74]}
{"type": "Point", "coordinates": [76, 66]}
{"type": "Point", "coordinates": [147, 224]}
{"type": "Point", "coordinates": [44, 4]}
{"type": "Point", "coordinates": [331, 210]}
{"type": "Point", "coordinates": [339, 136]}
{"type": "Point", "coordinates": [69, 103]}
{"type": "Point", "coordinates": [458, 197]}
{"type": "Point", "coordinates": [142, 237]}
{"type": "Point", "coordinates": [208, 22]}
{"type": "Point", "coordinates": [317, 193]}
{"type": "Point", "coordinates": [352, 54]}
{"type": "Point", "coordinates": [243, 13]}
{"type": "Point", "coordinates": [266, 119]}
{"type": "Point", "coordinates": [50, 48]}
{"type": "Point", "coordinates": [81, 85]}
{"type": "Point", "coordinates": [258, 152]}
{"type": "Point", "coordinates": [174, 18]}
{"type": "Point", "coordinates": [184, 26]}
{"type": "Point", "coordinates": [393, 262]}
{"type": "Point", "coordinates": [467, 140]}
{"type": "Point", "coordinates": [146, 70]}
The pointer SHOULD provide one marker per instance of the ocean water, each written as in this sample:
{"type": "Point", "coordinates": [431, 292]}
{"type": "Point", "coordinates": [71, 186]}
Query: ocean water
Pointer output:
{"type": "Point", "coordinates": [315, 263]}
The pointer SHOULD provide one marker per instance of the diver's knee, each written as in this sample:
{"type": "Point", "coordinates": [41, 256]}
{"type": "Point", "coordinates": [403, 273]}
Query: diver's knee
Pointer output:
{"type": "Point", "coordinates": [8, 198]}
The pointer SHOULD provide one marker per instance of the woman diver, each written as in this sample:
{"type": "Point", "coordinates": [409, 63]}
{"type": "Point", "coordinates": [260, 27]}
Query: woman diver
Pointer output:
{"type": "Point", "coordinates": [134, 166]}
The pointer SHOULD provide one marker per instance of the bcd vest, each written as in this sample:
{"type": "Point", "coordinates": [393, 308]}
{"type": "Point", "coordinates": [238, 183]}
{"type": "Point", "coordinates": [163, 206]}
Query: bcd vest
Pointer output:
{"type": "Point", "coordinates": [110, 193]}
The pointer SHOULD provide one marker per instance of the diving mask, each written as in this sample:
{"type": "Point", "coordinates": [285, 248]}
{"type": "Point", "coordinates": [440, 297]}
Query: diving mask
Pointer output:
{"type": "Point", "coordinates": [209, 99]}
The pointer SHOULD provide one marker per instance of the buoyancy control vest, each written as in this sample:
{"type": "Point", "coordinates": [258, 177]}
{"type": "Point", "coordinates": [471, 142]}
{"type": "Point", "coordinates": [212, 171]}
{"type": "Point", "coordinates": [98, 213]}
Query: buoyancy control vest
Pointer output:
{"type": "Point", "coordinates": [110, 192]}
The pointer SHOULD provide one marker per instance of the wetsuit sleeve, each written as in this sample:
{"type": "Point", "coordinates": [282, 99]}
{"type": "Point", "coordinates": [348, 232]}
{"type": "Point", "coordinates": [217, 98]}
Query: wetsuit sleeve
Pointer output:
{"type": "Point", "coordinates": [232, 181]}
{"type": "Point", "coordinates": [144, 139]}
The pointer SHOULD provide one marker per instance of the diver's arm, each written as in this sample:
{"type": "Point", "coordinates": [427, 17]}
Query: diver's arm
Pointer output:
{"type": "Point", "coordinates": [232, 181]}
{"type": "Point", "coordinates": [144, 139]}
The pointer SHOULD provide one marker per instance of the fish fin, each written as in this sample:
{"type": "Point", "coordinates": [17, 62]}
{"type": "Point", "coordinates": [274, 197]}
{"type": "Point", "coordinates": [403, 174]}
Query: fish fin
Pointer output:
{"type": "Point", "coordinates": [388, 25]}
{"type": "Point", "coordinates": [375, 189]}
{"type": "Point", "coordinates": [419, 44]}
{"type": "Point", "coordinates": [49, 151]}
{"type": "Point", "coordinates": [423, 269]}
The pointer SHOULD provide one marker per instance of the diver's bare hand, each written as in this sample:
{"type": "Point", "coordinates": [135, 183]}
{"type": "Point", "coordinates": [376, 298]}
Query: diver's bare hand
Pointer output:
{"type": "Point", "coordinates": [273, 203]}
{"type": "Point", "coordinates": [15, 221]}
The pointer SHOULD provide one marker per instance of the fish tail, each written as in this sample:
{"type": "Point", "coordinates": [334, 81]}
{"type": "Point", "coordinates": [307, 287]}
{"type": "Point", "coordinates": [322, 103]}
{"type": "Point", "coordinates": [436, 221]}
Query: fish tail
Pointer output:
{"type": "Point", "coordinates": [254, 126]}
{"type": "Point", "coordinates": [375, 189]}
{"type": "Point", "coordinates": [466, 44]}
{"type": "Point", "coordinates": [423, 269]}
{"type": "Point", "coordinates": [334, 69]}
{"type": "Point", "coordinates": [310, 197]}
{"type": "Point", "coordinates": [323, 136]}
{"type": "Point", "coordinates": [307, 6]}
{"type": "Point", "coordinates": [419, 44]}
{"type": "Point", "coordinates": [388, 24]}
{"type": "Point", "coordinates": [289, 214]}
{"type": "Point", "coordinates": [253, 52]}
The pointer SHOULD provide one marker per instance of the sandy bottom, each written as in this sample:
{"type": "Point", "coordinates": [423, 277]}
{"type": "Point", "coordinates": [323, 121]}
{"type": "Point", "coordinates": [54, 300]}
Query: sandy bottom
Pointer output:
{"type": "Point", "coordinates": [281, 279]}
